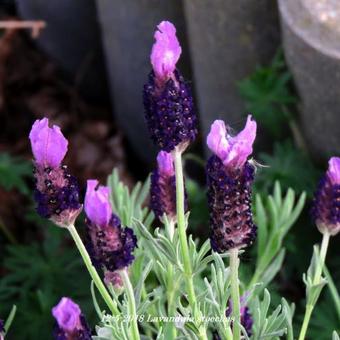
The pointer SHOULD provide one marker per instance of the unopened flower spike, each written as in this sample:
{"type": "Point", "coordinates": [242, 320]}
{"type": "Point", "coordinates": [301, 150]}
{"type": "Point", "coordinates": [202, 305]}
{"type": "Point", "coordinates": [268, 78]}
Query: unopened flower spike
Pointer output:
{"type": "Point", "coordinates": [163, 187]}
{"type": "Point", "coordinates": [230, 177]}
{"type": "Point", "coordinates": [168, 102]}
{"type": "Point", "coordinates": [70, 322]}
{"type": "Point", "coordinates": [326, 204]}
{"type": "Point", "coordinates": [57, 192]}
{"type": "Point", "coordinates": [110, 245]}
{"type": "Point", "coordinates": [245, 317]}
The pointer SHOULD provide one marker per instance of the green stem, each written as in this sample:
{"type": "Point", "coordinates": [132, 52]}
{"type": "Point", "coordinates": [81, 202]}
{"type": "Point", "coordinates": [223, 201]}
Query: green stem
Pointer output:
{"type": "Point", "coordinates": [182, 227]}
{"type": "Point", "coordinates": [235, 294]}
{"type": "Point", "coordinates": [323, 252]}
{"type": "Point", "coordinates": [10, 318]}
{"type": "Point", "coordinates": [171, 299]}
{"type": "Point", "coordinates": [308, 314]}
{"type": "Point", "coordinates": [131, 305]}
{"type": "Point", "coordinates": [92, 271]}
{"type": "Point", "coordinates": [316, 281]}
{"type": "Point", "coordinates": [183, 239]}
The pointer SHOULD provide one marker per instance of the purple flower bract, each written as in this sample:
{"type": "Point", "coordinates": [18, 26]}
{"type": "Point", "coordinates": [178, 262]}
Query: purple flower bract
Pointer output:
{"type": "Point", "coordinates": [326, 204]}
{"type": "Point", "coordinates": [70, 322]}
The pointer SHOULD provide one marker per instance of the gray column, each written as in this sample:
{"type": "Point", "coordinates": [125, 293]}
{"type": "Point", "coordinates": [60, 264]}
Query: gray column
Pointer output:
{"type": "Point", "coordinates": [311, 38]}
{"type": "Point", "coordinates": [228, 39]}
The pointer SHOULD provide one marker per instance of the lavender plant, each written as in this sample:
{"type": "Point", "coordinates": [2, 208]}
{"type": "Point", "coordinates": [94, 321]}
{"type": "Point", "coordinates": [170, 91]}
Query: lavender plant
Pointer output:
{"type": "Point", "coordinates": [161, 283]}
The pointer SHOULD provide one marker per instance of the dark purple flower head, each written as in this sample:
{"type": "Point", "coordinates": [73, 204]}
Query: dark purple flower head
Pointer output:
{"type": "Point", "coordinates": [163, 187]}
{"type": "Point", "coordinates": [245, 316]}
{"type": "Point", "coordinates": [168, 102]}
{"type": "Point", "coordinates": [326, 204]}
{"type": "Point", "coordinates": [70, 322]}
{"type": "Point", "coordinates": [230, 177]}
{"type": "Point", "coordinates": [110, 245]}
{"type": "Point", "coordinates": [57, 192]}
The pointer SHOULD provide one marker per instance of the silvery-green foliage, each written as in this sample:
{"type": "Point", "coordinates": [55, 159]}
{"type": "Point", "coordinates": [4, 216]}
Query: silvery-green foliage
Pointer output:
{"type": "Point", "coordinates": [215, 297]}
{"type": "Point", "coordinates": [274, 216]}
{"type": "Point", "coordinates": [313, 289]}
{"type": "Point", "coordinates": [271, 325]}
{"type": "Point", "coordinates": [159, 253]}
{"type": "Point", "coordinates": [335, 336]}
{"type": "Point", "coordinates": [128, 205]}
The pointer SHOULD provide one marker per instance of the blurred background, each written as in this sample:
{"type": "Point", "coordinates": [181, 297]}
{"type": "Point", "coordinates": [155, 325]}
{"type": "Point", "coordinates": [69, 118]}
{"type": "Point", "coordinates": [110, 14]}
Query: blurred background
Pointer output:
{"type": "Point", "coordinates": [83, 63]}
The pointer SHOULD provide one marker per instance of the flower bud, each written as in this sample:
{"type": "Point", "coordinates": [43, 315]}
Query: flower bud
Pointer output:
{"type": "Point", "coordinates": [326, 204]}
{"type": "Point", "coordinates": [230, 177]}
{"type": "Point", "coordinates": [110, 245]}
{"type": "Point", "coordinates": [168, 102]}
{"type": "Point", "coordinates": [57, 192]}
{"type": "Point", "coordinates": [114, 279]}
{"type": "Point", "coordinates": [163, 187]}
{"type": "Point", "coordinates": [70, 322]}
{"type": "Point", "coordinates": [245, 316]}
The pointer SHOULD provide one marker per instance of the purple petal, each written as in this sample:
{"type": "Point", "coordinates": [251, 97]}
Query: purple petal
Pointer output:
{"type": "Point", "coordinates": [165, 163]}
{"type": "Point", "coordinates": [233, 151]}
{"type": "Point", "coordinates": [49, 146]}
{"type": "Point", "coordinates": [241, 145]}
{"type": "Point", "coordinates": [67, 313]}
{"type": "Point", "coordinates": [217, 141]}
{"type": "Point", "coordinates": [165, 51]}
{"type": "Point", "coordinates": [97, 203]}
{"type": "Point", "coordinates": [334, 170]}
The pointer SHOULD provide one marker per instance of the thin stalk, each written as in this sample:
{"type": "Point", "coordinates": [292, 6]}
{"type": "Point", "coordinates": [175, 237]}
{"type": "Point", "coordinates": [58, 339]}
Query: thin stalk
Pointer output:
{"type": "Point", "coordinates": [183, 239]}
{"type": "Point", "coordinates": [92, 271]}
{"type": "Point", "coordinates": [171, 300]}
{"type": "Point", "coordinates": [323, 252]}
{"type": "Point", "coordinates": [182, 227]}
{"type": "Point", "coordinates": [10, 318]}
{"type": "Point", "coordinates": [316, 280]}
{"type": "Point", "coordinates": [235, 293]}
{"type": "Point", "coordinates": [170, 285]}
{"type": "Point", "coordinates": [131, 305]}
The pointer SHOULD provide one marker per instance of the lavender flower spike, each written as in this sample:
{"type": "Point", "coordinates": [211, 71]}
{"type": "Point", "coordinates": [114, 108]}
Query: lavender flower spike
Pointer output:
{"type": "Point", "coordinates": [230, 177]}
{"type": "Point", "coordinates": [70, 322]}
{"type": "Point", "coordinates": [163, 187]}
{"type": "Point", "coordinates": [168, 102]}
{"type": "Point", "coordinates": [110, 245]}
{"type": "Point", "coordinates": [326, 205]}
{"type": "Point", "coordinates": [56, 190]}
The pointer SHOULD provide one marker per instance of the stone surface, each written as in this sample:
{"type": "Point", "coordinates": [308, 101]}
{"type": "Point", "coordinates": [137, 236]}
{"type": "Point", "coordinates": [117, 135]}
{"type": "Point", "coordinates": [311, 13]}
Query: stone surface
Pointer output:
{"type": "Point", "coordinates": [311, 38]}
{"type": "Point", "coordinates": [228, 39]}
{"type": "Point", "coordinates": [127, 32]}
{"type": "Point", "coordinates": [72, 39]}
